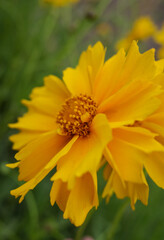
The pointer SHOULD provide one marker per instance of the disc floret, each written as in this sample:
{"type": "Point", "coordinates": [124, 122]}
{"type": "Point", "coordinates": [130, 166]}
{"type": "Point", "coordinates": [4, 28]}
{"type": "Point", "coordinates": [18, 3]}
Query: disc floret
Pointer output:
{"type": "Point", "coordinates": [76, 115]}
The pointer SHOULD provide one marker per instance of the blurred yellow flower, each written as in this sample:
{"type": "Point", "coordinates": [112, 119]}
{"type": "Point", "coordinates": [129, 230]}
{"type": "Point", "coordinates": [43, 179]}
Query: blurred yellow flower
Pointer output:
{"type": "Point", "coordinates": [124, 43]}
{"type": "Point", "coordinates": [113, 109]}
{"type": "Point", "coordinates": [159, 36]}
{"type": "Point", "coordinates": [143, 28]}
{"type": "Point", "coordinates": [60, 2]}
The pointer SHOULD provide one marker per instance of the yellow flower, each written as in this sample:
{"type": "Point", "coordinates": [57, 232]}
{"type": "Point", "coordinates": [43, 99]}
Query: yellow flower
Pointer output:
{"type": "Point", "coordinates": [60, 2]}
{"type": "Point", "coordinates": [124, 43]}
{"type": "Point", "coordinates": [159, 36]}
{"type": "Point", "coordinates": [143, 28]}
{"type": "Point", "coordinates": [112, 110]}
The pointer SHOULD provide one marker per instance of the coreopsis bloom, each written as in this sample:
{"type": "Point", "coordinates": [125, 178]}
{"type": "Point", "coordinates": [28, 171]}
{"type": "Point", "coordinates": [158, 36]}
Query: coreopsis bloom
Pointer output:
{"type": "Point", "coordinates": [102, 113]}
{"type": "Point", "coordinates": [143, 28]}
{"type": "Point", "coordinates": [60, 2]}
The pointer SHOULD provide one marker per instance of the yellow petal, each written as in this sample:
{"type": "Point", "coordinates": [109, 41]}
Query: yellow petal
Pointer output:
{"type": "Point", "coordinates": [134, 101]}
{"type": "Point", "coordinates": [108, 77]}
{"type": "Point", "coordinates": [132, 190]}
{"type": "Point", "coordinates": [138, 64]}
{"type": "Point", "coordinates": [35, 155]}
{"type": "Point", "coordinates": [80, 79]}
{"type": "Point", "coordinates": [35, 121]}
{"type": "Point", "coordinates": [157, 118]}
{"type": "Point", "coordinates": [39, 92]}
{"type": "Point", "coordinates": [128, 159]}
{"type": "Point", "coordinates": [82, 198]}
{"type": "Point", "coordinates": [76, 82]}
{"type": "Point", "coordinates": [44, 105]}
{"type": "Point", "coordinates": [160, 53]}
{"type": "Point", "coordinates": [94, 58]}
{"type": "Point", "coordinates": [13, 165]}
{"type": "Point", "coordinates": [154, 128]}
{"type": "Point", "coordinates": [160, 67]}
{"type": "Point", "coordinates": [22, 138]}
{"type": "Point", "coordinates": [48, 99]}
{"type": "Point", "coordinates": [56, 86]}
{"type": "Point", "coordinates": [23, 190]}
{"type": "Point", "coordinates": [155, 122]}
{"type": "Point", "coordinates": [74, 164]}
{"type": "Point", "coordinates": [139, 138]}
{"type": "Point", "coordinates": [59, 194]}
{"type": "Point", "coordinates": [109, 158]}
{"type": "Point", "coordinates": [101, 135]}
{"type": "Point", "coordinates": [159, 79]}
{"type": "Point", "coordinates": [154, 166]}
{"type": "Point", "coordinates": [54, 90]}
{"type": "Point", "coordinates": [138, 192]}
{"type": "Point", "coordinates": [64, 151]}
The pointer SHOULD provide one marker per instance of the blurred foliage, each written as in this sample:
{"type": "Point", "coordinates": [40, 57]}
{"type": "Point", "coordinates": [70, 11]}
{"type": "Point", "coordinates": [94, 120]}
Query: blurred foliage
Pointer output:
{"type": "Point", "coordinates": [38, 40]}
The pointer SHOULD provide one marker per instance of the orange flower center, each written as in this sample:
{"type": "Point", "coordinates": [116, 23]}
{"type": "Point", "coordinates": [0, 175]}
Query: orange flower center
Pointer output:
{"type": "Point", "coordinates": [76, 115]}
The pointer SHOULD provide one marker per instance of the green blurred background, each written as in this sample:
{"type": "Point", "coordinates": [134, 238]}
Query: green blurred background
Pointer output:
{"type": "Point", "coordinates": [37, 40]}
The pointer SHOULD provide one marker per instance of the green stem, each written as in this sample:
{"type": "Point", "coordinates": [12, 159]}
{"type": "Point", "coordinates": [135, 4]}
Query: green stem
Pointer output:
{"type": "Point", "coordinates": [115, 225]}
{"type": "Point", "coordinates": [33, 211]}
{"type": "Point", "coordinates": [81, 229]}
